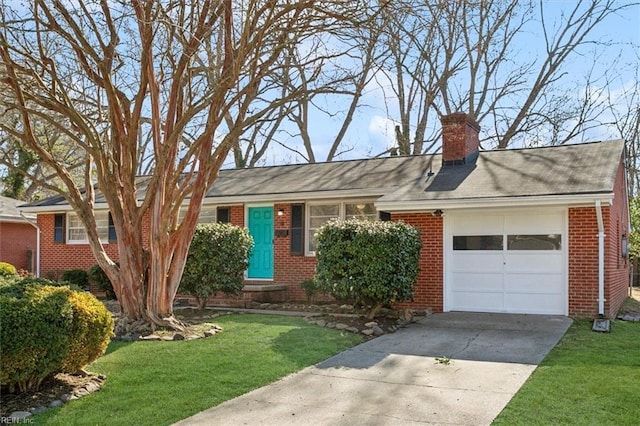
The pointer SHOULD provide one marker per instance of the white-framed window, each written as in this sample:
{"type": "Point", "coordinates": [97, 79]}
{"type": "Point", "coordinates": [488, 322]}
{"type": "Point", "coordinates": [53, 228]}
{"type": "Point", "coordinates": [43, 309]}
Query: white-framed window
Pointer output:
{"type": "Point", "coordinates": [320, 213]}
{"type": "Point", "coordinates": [207, 214]}
{"type": "Point", "coordinates": [76, 232]}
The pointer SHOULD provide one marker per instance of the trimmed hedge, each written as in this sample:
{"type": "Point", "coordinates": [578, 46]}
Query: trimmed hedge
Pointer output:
{"type": "Point", "coordinates": [97, 276]}
{"type": "Point", "coordinates": [218, 256]}
{"type": "Point", "coordinates": [373, 263]}
{"type": "Point", "coordinates": [78, 277]}
{"type": "Point", "coordinates": [48, 329]}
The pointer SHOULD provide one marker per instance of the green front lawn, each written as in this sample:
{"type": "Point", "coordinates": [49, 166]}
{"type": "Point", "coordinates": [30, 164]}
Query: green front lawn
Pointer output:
{"type": "Point", "coordinates": [159, 383]}
{"type": "Point", "coordinates": [589, 378]}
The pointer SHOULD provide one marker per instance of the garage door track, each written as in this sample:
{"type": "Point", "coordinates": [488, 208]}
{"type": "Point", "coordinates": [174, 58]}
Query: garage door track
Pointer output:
{"type": "Point", "coordinates": [451, 368]}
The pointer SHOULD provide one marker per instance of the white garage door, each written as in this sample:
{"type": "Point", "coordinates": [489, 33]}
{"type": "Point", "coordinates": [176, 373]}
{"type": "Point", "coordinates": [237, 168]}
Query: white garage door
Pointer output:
{"type": "Point", "coordinates": [506, 262]}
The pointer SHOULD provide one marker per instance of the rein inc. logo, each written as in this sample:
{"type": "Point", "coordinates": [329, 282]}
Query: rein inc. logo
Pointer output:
{"type": "Point", "coordinates": [19, 418]}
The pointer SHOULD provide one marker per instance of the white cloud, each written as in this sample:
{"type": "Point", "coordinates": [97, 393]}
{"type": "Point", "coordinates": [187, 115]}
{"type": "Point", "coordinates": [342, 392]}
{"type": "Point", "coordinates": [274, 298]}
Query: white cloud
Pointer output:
{"type": "Point", "coordinates": [382, 131]}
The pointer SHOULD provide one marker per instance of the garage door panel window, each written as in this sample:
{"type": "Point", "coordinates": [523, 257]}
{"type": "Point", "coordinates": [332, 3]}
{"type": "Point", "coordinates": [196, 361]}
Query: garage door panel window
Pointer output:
{"type": "Point", "coordinates": [477, 242]}
{"type": "Point", "coordinates": [534, 242]}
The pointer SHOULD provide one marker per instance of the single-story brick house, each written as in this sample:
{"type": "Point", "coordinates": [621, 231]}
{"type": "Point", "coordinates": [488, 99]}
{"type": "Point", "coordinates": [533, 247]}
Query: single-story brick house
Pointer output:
{"type": "Point", "coordinates": [538, 230]}
{"type": "Point", "coordinates": [18, 236]}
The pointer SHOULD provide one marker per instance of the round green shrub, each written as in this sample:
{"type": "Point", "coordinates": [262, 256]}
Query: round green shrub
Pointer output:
{"type": "Point", "coordinates": [45, 281]}
{"type": "Point", "coordinates": [218, 256]}
{"type": "Point", "coordinates": [7, 270]}
{"type": "Point", "coordinates": [41, 329]}
{"type": "Point", "coordinates": [374, 263]}
{"type": "Point", "coordinates": [78, 277]}
{"type": "Point", "coordinates": [96, 276]}
{"type": "Point", "coordinates": [91, 330]}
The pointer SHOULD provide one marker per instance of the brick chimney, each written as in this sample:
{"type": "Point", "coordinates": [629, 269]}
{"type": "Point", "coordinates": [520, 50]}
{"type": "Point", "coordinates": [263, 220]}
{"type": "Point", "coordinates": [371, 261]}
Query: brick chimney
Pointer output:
{"type": "Point", "coordinates": [460, 139]}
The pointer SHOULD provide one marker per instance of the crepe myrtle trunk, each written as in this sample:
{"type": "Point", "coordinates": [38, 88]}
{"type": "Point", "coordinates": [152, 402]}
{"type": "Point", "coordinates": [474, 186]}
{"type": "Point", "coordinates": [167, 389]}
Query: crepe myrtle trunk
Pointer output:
{"type": "Point", "coordinates": [146, 279]}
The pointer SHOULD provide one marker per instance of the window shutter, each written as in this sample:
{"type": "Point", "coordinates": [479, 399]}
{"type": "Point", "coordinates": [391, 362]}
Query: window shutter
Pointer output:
{"type": "Point", "coordinates": [297, 229]}
{"type": "Point", "coordinates": [385, 216]}
{"type": "Point", "coordinates": [223, 215]}
{"type": "Point", "coordinates": [112, 230]}
{"type": "Point", "coordinates": [59, 228]}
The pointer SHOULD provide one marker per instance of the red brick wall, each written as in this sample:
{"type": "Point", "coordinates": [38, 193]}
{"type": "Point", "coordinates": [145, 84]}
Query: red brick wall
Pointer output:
{"type": "Point", "coordinates": [616, 270]}
{"type": "Point", "coordinates": [460, 136]}
{"type": "Point", "coordinates": [583, 262]}
{"type": "Point", "coordinates": [583, 255]}
{"type": "Point", "coordinates": [56, 258]}
{"type": "Point", "coordinates": [429, 287]}
{"type": "Point", "coordinates": [290, 270]}
{"type": "Point", "coordinates": [237, 215]}
{"type": "Point", "coordinates": [15, 240]}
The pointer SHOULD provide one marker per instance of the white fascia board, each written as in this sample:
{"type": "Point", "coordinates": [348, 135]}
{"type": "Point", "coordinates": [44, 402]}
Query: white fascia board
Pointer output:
{"type": "Point", "coordinates": [286, 197]}
{"type": "Point", "coordinates": [59, 208]}
{"type": "Point", "coordinates": [15, 219]}
{"type": "Point", "coordinates": [289, 197]}
{"type": "Point", "coordinates": [474, 203]}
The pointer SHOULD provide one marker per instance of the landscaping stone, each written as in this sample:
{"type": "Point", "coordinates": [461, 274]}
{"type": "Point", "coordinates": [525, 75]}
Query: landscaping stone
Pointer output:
{"type": "Point", "coordinates": [321, 323]}
{"type": "Point", "coordinates": [178, 336]}
{"type": "Point", "coordinates": [56, 403]}
{"type": "Point", "coordinates": [367, 332]}
{"type": "Point", "coordinates": [340, 326]}
{"type": "Point", "coordinates": [210, 333]}
{"type": "Point", "coordinates": [38, 410]}
{"type": "Point", "coordinates": [352, 329]}
{"type": "Point", "coordinates": [151, 337]}
{"type": "Point", "coordinates": [371, 324]}
{"type": "Point", "coordinates": [16, 416]}
{"type": "Point", "coordinates": [634, 317]}
{"type": "Point", "coordinates": [377, 331]}
{"type": "Point", "coordinates": [82, 392]}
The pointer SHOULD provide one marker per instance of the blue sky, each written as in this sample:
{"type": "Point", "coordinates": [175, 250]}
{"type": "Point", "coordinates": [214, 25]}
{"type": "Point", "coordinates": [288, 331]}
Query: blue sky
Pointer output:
{"type": "Point", "coordinates": [372, 130]}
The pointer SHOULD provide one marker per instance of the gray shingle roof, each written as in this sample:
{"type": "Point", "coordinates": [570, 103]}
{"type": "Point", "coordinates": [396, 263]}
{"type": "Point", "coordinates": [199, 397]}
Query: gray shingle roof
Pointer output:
{"type": "Point", "coordinates": [371, 176]}
{"type": "Point", "coordinates": [9, 211]}
{"type": "Point", "coordinates": [558, 170]}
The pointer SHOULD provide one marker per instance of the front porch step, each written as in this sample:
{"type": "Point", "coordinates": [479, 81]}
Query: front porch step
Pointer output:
{"type": "Point", "coordinates": [263, 288]}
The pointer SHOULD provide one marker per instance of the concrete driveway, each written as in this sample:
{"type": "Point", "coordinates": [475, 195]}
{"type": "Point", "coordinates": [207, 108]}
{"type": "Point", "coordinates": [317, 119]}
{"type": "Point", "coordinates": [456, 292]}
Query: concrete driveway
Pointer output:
{"type": "Point", "coordinates": [395, 379]}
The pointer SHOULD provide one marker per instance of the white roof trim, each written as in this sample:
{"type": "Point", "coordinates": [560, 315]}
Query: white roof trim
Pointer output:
{"type": "Point", "coordinates": [289, 197]}
{"type": "Point", "coordinates": [15, 219]}
{"type": "Point", "coordinates": [390, 206]}
{"type": "Point", "coordinates": [544, 200]}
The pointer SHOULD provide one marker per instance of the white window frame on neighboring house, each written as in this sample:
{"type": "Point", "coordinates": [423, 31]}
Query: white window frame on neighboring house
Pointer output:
{"type": "Point", "coordinates": [345, 210]}
{"type": "Point", "coordinates": [77, 233]}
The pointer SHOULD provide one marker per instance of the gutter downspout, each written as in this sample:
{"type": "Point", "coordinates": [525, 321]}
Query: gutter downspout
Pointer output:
{"type": "Point", "coordinates": [35, 225]}
{"type": "Point", "coordinates": [600, 259]}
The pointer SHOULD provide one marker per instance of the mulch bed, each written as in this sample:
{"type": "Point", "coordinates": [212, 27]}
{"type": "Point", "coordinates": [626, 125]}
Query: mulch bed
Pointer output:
{"type": "Point", "coordinates": [51, 389]}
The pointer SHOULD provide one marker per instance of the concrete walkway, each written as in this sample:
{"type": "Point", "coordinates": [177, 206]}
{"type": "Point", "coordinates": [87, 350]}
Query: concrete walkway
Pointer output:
{"type": "Point", "coordinates": [396, 379]}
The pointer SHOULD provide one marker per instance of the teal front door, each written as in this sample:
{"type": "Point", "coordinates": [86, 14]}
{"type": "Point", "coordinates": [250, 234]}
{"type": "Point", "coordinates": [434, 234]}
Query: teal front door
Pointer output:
{"type": "Point", "coordinates": [261, 229]}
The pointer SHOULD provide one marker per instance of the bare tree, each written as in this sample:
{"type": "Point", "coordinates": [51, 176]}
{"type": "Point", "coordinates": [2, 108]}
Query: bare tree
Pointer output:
{"type": "Point", "coordinates": [461, 56]}
{"type": "Point", "coordinates": [424, 44]}
{"type": "Point", "coordinates": [624, 108]}
{"type": "Point", "coordinates": [107, 73]}
{"type": "Point", "coordinates": [323, 75]}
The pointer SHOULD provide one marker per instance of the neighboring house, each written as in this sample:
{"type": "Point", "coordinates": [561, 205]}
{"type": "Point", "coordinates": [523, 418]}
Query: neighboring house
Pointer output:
{"type": "Point", "coordinates": [18, 236]}
{"type": "Point", "coordinates": [538, 231]}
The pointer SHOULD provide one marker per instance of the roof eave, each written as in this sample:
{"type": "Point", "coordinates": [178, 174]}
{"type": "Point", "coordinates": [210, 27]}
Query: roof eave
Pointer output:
{"type": "Point", "coordinates": [495, 202]}
{"type": "Point", "coordinates": [14, 219]}
{"type": "Point", "coordinates": [298, 196]}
